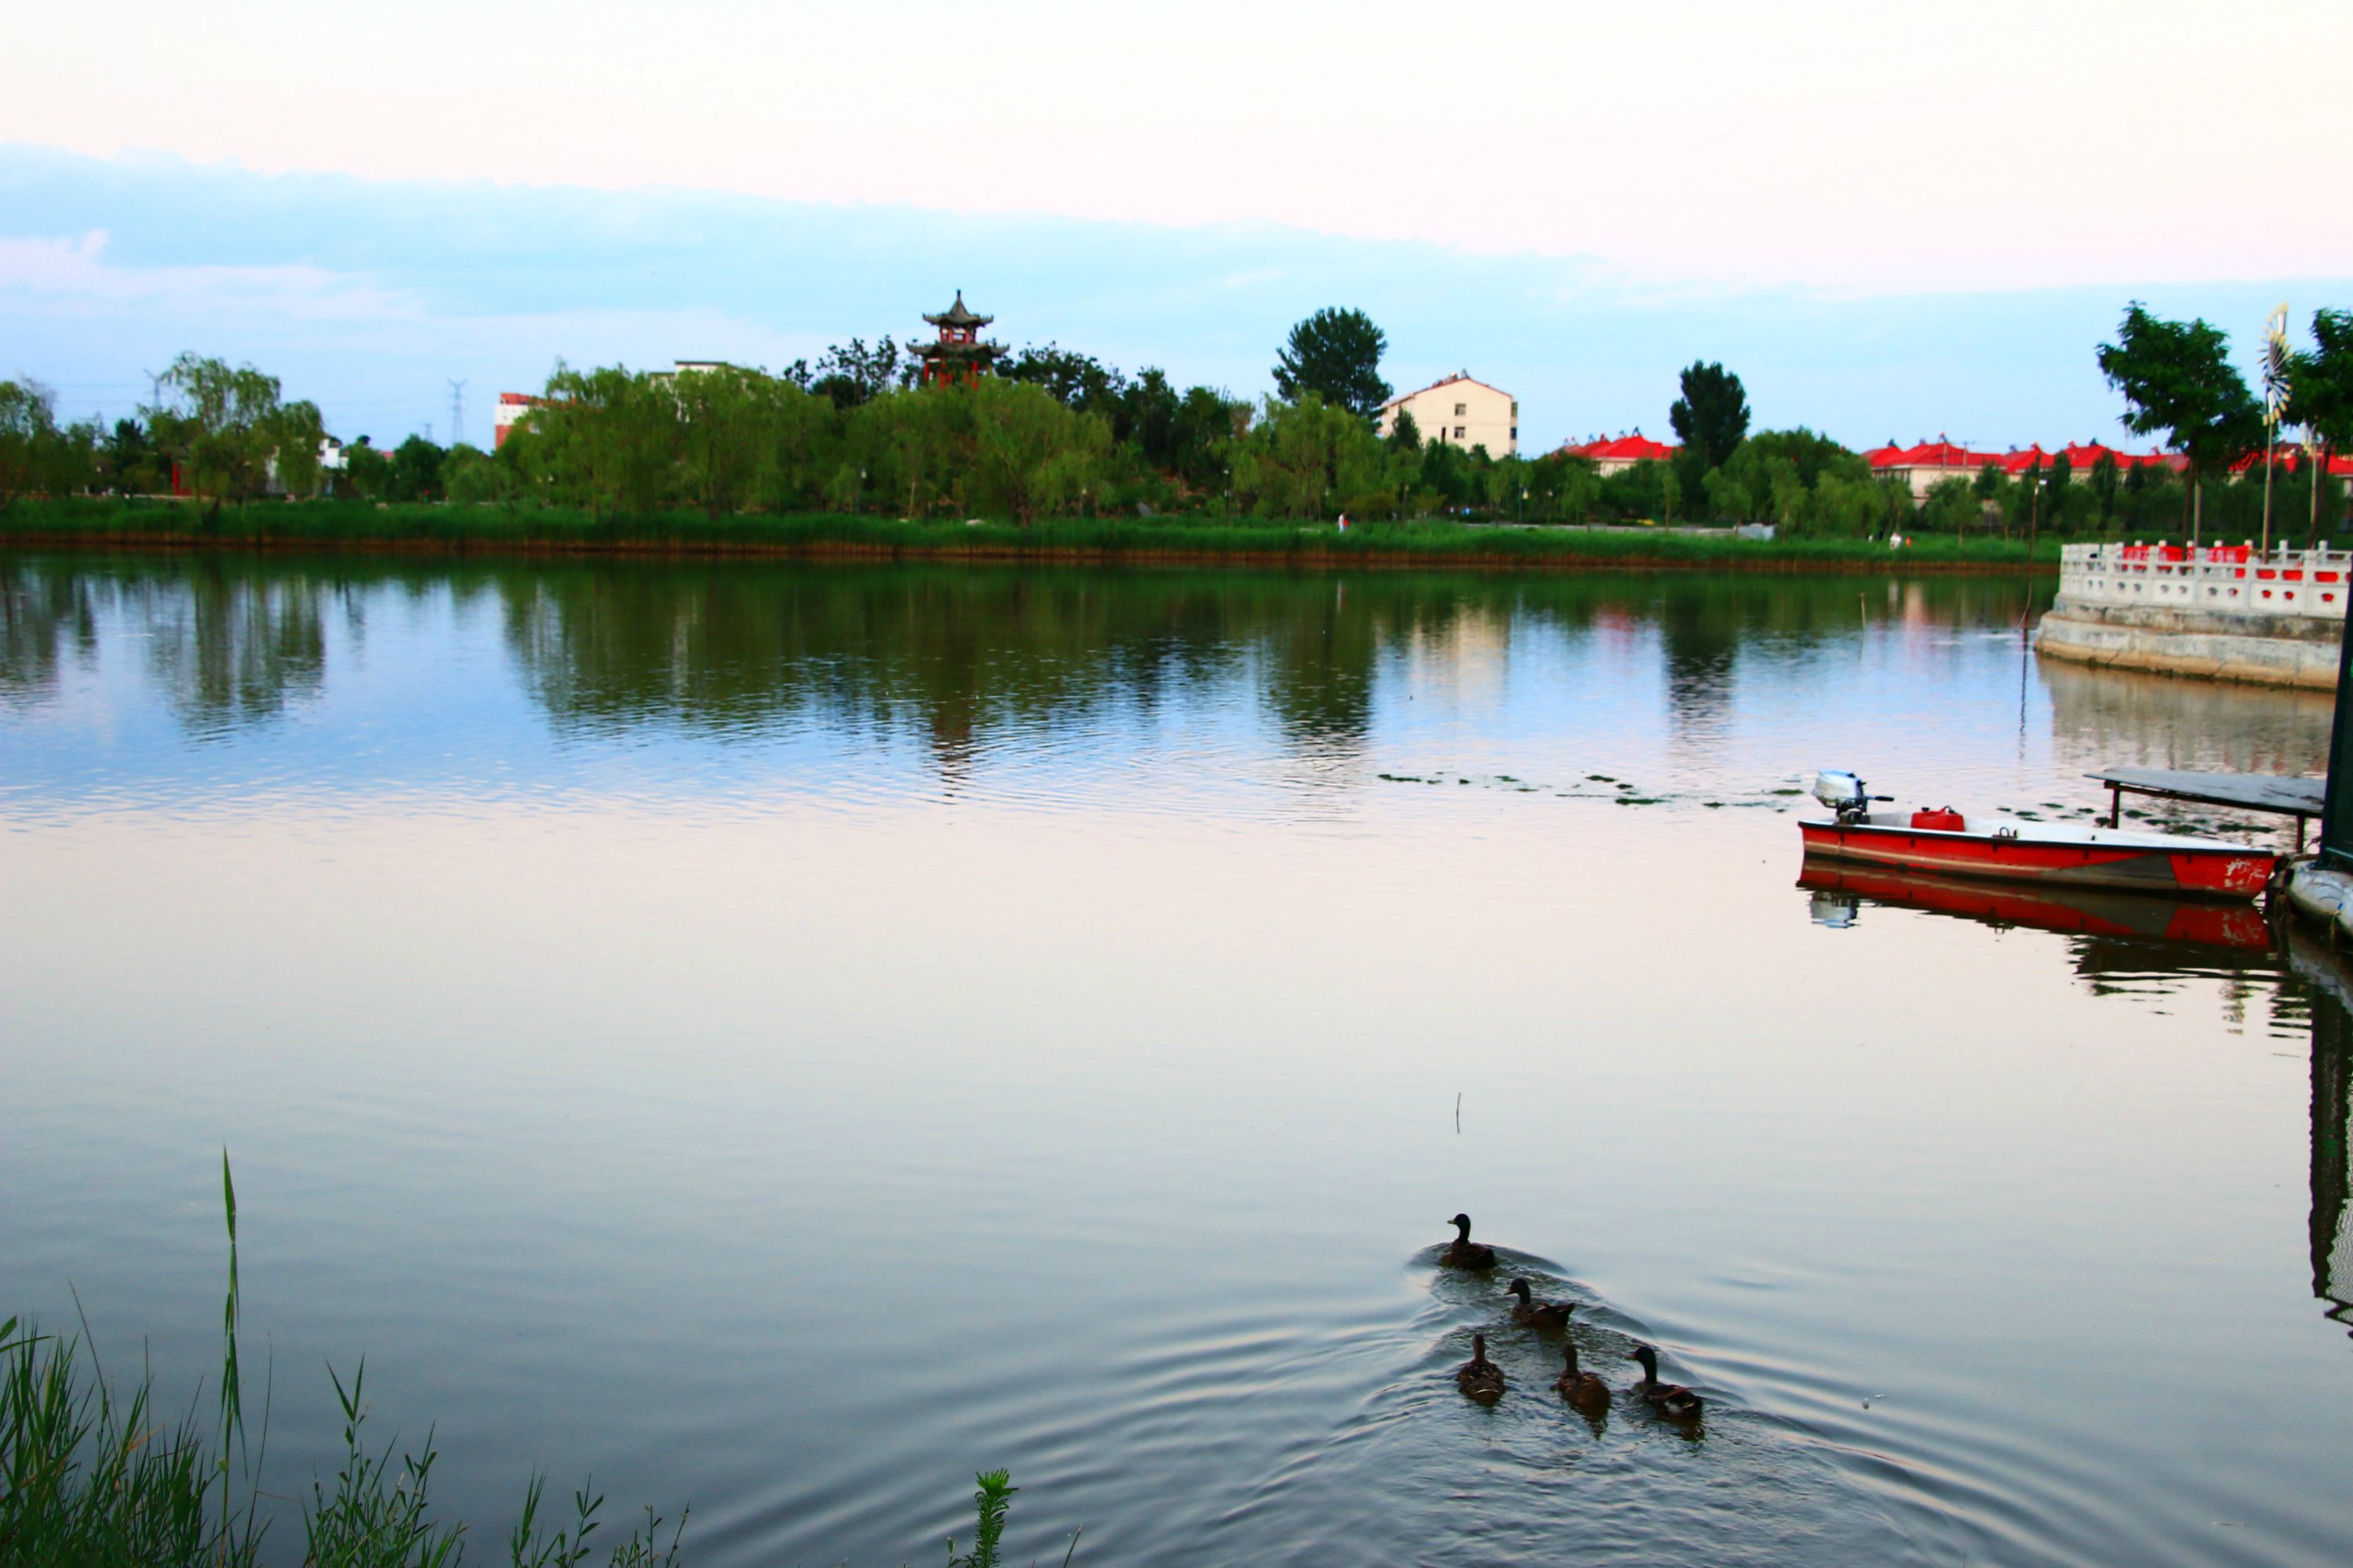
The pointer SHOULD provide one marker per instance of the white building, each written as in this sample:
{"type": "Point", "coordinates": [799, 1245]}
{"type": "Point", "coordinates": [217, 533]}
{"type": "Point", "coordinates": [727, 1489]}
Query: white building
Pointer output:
{"type": "Point", "coordinates": [1461, 413]}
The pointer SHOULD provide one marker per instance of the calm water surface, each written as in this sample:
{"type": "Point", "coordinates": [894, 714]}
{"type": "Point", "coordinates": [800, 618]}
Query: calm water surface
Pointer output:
{"type": "Point", "coordinates": [784, 1038]}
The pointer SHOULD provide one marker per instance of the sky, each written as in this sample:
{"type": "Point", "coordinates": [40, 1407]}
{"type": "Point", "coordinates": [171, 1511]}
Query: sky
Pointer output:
{"type": "Point", "coordinates": [1891, 220]}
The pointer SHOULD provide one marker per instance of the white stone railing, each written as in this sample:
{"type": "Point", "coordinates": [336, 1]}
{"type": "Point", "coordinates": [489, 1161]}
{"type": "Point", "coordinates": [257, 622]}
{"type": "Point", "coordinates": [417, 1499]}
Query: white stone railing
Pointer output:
{"type": "Point", "coordinates": [2214, 579]}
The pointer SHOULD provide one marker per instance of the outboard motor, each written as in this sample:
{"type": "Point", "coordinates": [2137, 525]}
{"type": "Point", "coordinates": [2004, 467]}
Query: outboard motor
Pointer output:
{"type": "Point", "coordinates": [1845, 795]}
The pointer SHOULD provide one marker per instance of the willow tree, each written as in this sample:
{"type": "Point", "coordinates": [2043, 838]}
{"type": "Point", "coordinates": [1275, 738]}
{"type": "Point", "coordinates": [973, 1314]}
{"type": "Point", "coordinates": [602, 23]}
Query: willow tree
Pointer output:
{"type": "Point", "coordinates": [232, 434]}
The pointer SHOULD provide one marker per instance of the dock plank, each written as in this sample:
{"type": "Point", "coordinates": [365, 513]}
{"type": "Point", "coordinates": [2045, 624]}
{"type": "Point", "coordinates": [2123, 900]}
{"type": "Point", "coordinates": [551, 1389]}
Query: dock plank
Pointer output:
{"type": "Point", "coordinates": [2288, 796]}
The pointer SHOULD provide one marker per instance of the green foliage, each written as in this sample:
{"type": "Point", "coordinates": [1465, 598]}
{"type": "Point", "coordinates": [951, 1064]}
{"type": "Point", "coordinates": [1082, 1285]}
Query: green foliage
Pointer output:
{"type": "Point", "coordinates": [1310, 460]}
{"type": "Point", "coordinates": [990, 1499]}
{"type": "Point", "coordinates": [2320, 381]}
{"type": "Point", "coordinates": [851, 375]}
{"type": "Point", "coordinates": [1712, 415]}
{"type": "Point", "coordinates": [1952, 506]}
{"type": "Point", "coordinates": [129, 463]}
{"type": "Point", "coordinates": [89, 1478]}
{"type": "Point", "coordinates": [38, 455]}
{"type": "Point", "coordinates": [1031, 454]}
{"type": "Point", "coordinates": [1335, 356]}
{"type": "Point", "coordinates": [229, 431]}
{"type": "Point", "coordinates": [2178, 381]}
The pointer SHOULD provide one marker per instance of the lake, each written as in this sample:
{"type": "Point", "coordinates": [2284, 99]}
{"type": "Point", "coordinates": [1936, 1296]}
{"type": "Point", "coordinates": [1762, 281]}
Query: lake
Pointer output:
{"type": "Point", "coordinates": [781, 1039]}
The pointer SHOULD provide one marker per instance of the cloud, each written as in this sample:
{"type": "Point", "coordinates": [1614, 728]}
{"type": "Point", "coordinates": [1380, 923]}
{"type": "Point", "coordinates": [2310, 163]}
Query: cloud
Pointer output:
{"type": "Point", "coordinates": [369, 296]}
{"type": "Point", "coordinates": [75, 275]}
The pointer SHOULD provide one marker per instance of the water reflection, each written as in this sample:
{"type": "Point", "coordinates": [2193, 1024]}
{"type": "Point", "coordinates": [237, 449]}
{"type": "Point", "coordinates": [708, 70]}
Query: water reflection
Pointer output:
{"type": "Point", "coordinates": [47, 620]}
{"type": "Point", "coordinates": [2131, 943]}
{"type": "Point", "coordinates": [600, 933]}
{"type": "Point", "coordinates": [2111, 717]}
{"type": "Point", "coordinates": [2332, 1121]}
{"type": "Point", "coordinates": [962, 653]}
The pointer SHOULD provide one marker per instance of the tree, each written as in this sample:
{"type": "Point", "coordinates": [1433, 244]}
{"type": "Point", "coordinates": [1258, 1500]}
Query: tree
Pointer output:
{"type": "Point", "coordinates": [223, 427]}
{"type": "Point", "coordinates": [417, 470]}
{"type": "Point", "coordinates": [1076, 381]}
{"type": "Point", "coordinates": [1991, 487]}
{"type": "Point", "coordinates": [28, 426]}
{"type": "Point", "coordinates": [131, 464]}
{"type": "Point", "coordinates": [2104, 487]}
{"type": "Point", "coordinates": [1305, 458]}
{"type": "Point", "coordinates": [296, 434]}
{"type": "Point", "coordinates": [1952, 502]}
{"type": "Point", "coordinates": [2177, 379]}
{"type": "Point", "coordinates": [1407, 432]}
{"type": "Point", "coordinates": [2055, 491]}
{"type": "Point", "coordinates": [2320, 398]}
{"type": "Point", "coordinates": [853, 374]}
{"type": "Point", "coordinates": [611, 438]}
{"type": "Point", "coordinates": [1712, 416]}
{"type": "Point", "coordinates": [1336, 354]}
{"type": "Point", "coordinates": [719, 425]}
{"type": "Point", "coordinates": [1030, 452]}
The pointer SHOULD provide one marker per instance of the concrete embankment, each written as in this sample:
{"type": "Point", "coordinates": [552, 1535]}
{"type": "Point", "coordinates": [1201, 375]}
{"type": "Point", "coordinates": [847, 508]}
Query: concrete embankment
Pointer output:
{"type": "Point", "coordinates": [2289, 651]}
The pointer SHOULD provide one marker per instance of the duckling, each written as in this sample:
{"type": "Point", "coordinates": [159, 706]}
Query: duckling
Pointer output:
{"type": "Point", "coordinates": [1534, 1314]}
{"type": "Point", "coordinates": [1464, 1252]}
{"type": "Point", "coordinates": [1581, 1388]}
{"type": "Point", "coordinates": [1480, 1378]}
{"type": "Point", "coordinates": [1669, 1399]}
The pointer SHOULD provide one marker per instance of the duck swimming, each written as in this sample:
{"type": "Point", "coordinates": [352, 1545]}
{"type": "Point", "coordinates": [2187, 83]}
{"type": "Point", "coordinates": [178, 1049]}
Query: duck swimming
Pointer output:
{"type": "Point", "coordinates": [1670, 1399]}
{"type": "Point", "coordinates": [1534, 1314]}
{"type": "Point", "coordinates": [1480, 1378]}
{"type": "Point", "coordinates": [1581, 1388]}
{"type": "Point", "coordinates": [1464, 1252]}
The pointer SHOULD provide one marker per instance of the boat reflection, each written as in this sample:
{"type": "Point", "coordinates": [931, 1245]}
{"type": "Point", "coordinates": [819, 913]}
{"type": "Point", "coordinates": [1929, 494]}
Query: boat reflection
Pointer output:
{"type": "Point", "coordinates": [2325, 970]}
{"type": "Point", "coordinates": [1840, 890]}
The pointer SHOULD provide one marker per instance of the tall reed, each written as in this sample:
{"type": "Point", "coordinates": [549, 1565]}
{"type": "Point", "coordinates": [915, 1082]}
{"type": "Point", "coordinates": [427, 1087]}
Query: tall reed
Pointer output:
{"type": "Point", "coordinates": [92, 1479]}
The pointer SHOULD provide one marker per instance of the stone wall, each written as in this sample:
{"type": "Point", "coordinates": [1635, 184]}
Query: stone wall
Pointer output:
{"type": "Point", "coordinates": [2291, 651]}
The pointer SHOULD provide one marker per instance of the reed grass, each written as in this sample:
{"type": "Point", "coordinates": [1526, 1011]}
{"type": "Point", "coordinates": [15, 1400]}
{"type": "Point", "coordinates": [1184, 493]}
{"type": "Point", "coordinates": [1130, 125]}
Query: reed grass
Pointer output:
{"type": "Point", "coordinates": [93, 1479]}
{"type": "Point", "coordinates": [335, 525]}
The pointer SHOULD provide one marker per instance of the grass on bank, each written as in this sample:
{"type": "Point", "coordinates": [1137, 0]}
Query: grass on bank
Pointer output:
{"type": "Point", "coordinates": [333, 524]}
{"type": "Point", "coordinates": [91, 1477]}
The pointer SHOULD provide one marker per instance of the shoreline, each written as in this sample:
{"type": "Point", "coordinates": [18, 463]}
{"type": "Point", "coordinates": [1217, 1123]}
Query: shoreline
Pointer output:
{"type": "Point", "coordinates": [423, 532]}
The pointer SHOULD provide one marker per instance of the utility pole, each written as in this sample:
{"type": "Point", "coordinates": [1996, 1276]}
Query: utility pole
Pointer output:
{"type": "Point", "coordinates": [457, 410]}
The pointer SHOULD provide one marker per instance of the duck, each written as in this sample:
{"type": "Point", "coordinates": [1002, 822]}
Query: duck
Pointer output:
{"type": "Point", "coordinates": [1464, 1252]}
{"type": "Point", "coordinates": [1480, 1378]}
{"type": "Point", "coordinates": [1534, 1314]}
{"type": "Point", "coordinates": [1670, 1399]}
{"type": "Point", "coordinates": [1580, 1388]}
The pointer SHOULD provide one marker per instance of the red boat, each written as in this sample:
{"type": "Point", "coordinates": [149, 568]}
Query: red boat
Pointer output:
{"type": "Point", "coordinates": [2078, 912]}
{"type": "Point", "coordinates": [2062, 854]}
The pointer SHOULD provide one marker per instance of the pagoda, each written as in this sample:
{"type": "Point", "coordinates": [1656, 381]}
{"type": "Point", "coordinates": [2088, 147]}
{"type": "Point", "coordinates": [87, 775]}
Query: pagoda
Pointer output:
{"type": "Point", "coordinates": [959, 358]}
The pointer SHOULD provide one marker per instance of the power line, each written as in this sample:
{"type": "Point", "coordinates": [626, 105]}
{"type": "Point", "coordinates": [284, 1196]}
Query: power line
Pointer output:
{"type": "Point", "coordinates": [457, 410]}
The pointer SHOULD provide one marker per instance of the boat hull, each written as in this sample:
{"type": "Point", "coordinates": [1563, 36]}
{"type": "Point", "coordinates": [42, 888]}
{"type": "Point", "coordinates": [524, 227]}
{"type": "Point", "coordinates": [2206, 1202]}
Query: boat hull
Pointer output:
{"type": "Point", "coordinates": [2076, 911]}
{"type": "Point", "coordinates": [2192, 869]}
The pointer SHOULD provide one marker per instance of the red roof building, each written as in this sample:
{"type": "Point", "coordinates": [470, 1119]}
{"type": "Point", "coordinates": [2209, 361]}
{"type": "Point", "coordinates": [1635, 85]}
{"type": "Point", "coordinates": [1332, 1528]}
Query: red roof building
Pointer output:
{"type": "Point", "coordinates": [1929, 463]}
{"type": "Point", "coordinates": [1619, 453]}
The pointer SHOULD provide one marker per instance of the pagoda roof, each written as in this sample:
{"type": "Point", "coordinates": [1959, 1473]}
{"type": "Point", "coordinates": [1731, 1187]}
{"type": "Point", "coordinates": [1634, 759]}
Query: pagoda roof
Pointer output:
{"type": "Point", "coordinates": [955, 315]}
